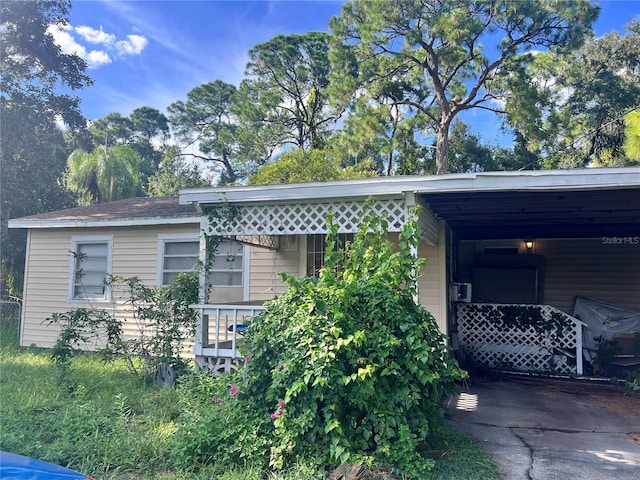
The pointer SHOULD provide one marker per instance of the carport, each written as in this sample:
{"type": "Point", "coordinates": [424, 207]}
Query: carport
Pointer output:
{"type": "Point", "coordinates": [536, 241]}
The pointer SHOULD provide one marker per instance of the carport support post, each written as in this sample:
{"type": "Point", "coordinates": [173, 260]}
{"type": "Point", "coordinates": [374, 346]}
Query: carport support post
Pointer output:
{"type": "Point", "coordinates": [579, 368]}
{"type": "Point", "coordinates": [409, 202]}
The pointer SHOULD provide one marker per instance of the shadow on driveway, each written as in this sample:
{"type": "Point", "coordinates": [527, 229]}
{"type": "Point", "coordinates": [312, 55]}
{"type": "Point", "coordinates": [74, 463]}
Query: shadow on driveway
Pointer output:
{"type": "Point", "coordinates": [547, 429]}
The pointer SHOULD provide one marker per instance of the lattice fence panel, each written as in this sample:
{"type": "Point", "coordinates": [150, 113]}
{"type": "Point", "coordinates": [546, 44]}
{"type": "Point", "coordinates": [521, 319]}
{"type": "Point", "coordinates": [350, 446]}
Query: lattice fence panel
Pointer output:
{"type": "Point", "coordinates": [493, 344]}
{"type": "Point", "coordinates": [305, 218]}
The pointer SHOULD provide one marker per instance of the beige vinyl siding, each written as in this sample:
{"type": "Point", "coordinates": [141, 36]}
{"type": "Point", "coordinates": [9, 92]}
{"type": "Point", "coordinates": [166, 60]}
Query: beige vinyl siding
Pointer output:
{"type": "Point", "coordinates": [429, 284]}
{"type": "Point", "coordinates": [590, 268]}
{"type": "Point", "coordinates": [135, 253]}
{"type": "Point", "coordinates": [265, 265]}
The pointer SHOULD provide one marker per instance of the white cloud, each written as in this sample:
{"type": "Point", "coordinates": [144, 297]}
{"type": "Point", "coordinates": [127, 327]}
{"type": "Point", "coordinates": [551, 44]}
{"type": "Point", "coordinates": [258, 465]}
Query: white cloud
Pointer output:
{"type": "Point", "coordinates": [133, 45]}
{"type": "Point", "coordinates": [65, 40]}
{"type": "Point", "coordinates": [97, 58]}
{"type": "Point", "coordinates": [69, 44]}
{"type": "Point", "coordinates": [92, 35]}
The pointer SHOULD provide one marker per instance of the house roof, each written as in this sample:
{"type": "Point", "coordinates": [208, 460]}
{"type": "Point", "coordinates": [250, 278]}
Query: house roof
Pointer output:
{"type": "Point", "coordinates": [131, 211]}
{"type": "Point", "coordinates": [527, 204]}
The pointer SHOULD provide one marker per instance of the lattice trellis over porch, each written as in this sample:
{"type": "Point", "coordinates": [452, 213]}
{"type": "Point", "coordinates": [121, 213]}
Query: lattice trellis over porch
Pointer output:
{"type": "Point", "coordinates": [310, 218]}
{"type": "Point", "coordinates": [493, 344]}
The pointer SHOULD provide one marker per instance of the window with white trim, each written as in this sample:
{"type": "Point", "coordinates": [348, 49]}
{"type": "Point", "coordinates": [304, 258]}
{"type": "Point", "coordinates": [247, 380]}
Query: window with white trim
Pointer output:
{"type": "Point", "coordinates": [316, 249]}
{"type": "Point", "coordinates": [90, 264]}
{"type": "Point", "coordinates": [228, 265]}
{"type": "Point", "coordinates": [176, 255]}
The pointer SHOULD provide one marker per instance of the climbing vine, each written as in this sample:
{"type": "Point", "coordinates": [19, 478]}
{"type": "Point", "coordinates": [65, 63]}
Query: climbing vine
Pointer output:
{"type": "Point", "coordinates": [522, 317]}
{"type": "Point", "coordinates": [217, 215]}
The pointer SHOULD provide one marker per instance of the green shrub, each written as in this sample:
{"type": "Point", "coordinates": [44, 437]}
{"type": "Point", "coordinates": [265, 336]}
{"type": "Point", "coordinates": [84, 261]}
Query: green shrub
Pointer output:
{"type": "Point", "coordinates": [343, 368]}
{"type": "Point", "coordinates": [162, 317]}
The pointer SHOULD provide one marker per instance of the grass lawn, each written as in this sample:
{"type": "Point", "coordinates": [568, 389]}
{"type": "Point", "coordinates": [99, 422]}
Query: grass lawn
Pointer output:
{"type": "Point", "coordinates": [106, 423]}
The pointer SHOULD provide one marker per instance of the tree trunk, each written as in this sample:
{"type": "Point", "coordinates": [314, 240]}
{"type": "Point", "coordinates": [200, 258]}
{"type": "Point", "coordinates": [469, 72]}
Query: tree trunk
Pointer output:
{"type": "Point", "coordinates": [442, 147]}
{"type": "Point", "coordinates": [231, 174]}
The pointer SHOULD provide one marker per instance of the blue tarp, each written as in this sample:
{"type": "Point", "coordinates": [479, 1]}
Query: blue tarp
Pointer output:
{"type": "Point", "coordinates": [17, 467]}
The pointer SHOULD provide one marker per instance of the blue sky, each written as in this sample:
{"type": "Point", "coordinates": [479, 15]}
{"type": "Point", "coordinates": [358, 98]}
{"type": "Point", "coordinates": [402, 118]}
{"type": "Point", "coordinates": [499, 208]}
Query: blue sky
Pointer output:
{"type": "Point", "coordinates": [151, 53]}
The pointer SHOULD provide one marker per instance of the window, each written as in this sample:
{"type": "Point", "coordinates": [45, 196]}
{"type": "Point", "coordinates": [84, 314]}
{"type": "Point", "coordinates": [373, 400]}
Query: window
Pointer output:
{"type": "Point", "coordinates": [90, 263]}
{"type": "Point", "coordinates": [228, 265]}
{"type": "Point", "coordinates": [316, 247]}
{"type": "Point", "coordinates": [176, 255]}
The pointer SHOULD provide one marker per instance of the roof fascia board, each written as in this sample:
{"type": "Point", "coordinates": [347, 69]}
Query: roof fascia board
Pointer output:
{"type": "Point", "coordinates": [540, 180]}
{"type": "Point", "coordinates": [97, 223]}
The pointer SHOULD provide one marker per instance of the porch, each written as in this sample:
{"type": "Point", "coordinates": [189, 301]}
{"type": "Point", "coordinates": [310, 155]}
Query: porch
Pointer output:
{"type": "Point", "coordinates": [219, 331]}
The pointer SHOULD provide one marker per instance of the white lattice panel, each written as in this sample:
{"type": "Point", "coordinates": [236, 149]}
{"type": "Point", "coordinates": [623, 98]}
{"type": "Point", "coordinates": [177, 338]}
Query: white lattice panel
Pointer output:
{"type": "Point", "coordinates": [305, 218]}
{"type": "Point", "coordinates": [493, 344]}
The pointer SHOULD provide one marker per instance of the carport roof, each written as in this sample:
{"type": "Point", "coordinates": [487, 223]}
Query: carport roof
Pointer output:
{"type": "Point", "coordinates": [398, 186]}
{"type": "Point", "coordinates": [540, 214]}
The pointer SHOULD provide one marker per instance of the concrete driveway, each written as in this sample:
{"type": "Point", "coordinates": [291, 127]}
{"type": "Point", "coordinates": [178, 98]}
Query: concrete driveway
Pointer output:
{"type": "Point", "coordinates": [534, 431]}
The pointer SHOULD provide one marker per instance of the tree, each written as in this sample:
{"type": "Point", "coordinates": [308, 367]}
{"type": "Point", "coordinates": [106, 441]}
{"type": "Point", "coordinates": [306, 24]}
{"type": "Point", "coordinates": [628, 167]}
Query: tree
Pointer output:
{"type": "Point", "coordinates": [632, 135]}
{"type": "Point", "coordinates": [287, 79]}
{"type": "Point", "coordinates": [428, 56]}
{"type": "Point", "coordinates": [206, 121]}
{"type": "Point", "coordinates": [33, 67]}
{"type": "Point", "coordinates": [114, 129]}
{"type": "Point", "coordinates": [466, 152]}
{"type": "Point", "coordinates": [32, 151]}
{"type": "Point", "coordinates": [149, 123]}
{"type": "Point", "coordinates": [577, 118]}
{"type": "Point", "coordinates": [138, 131]}
{"type": "Point", "coordinates": [379, 131]}
{"type": "Point", "coordinates": [300, 166]}
{"type": "Point", "coordinates": [104, 175]}
{"type": "Point", "coordinates": [174, 175]}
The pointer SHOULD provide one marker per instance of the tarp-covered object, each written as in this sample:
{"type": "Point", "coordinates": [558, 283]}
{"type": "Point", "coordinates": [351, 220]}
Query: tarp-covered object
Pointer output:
{"type": "Point", "coordinates": [603, 320]}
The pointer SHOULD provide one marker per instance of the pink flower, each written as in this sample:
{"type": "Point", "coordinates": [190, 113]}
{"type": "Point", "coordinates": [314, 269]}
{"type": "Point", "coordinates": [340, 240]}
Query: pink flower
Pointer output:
{"type": "Point", "coordinates": [216, 400]}
{"type": "Point", "coordinates": [234, 391]}
{"type": "Point", "coordinates": [360, 361]}
{"type": "Point", "coordinates": [281, 403]}
{"type": "Point", "coordinates": [247, 358]}
{"type": "Point", "coordinates": [277, 413]}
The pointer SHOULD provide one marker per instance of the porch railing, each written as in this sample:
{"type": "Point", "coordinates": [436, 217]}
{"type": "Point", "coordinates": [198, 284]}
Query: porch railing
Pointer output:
{"type": "Point", "coordinates": [492, 340]}
{"type": "Point", "coordinates": [218, 329]}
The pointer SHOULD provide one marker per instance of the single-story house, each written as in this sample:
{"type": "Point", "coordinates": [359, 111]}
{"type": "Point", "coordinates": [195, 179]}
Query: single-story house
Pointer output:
{"type": "Point", "coordinates": [529, 238]}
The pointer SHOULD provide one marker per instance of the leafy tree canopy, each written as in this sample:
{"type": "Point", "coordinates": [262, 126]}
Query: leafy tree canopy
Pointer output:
{"type": "Point", "coordinates": [288, 78]}
{"type": "Point", "coordinates": [207, 121]}
{"type": "Point", "coordinates": [430, 57]}
{"type": "Point", "coordinates": [33, 67]}
{"type": "Point", "coordinates": [632, 135]}
{"type": "Point", "coordinates": [104, 175]}
{"type": "Point", "coordinates": [174, 174]}
{"type": "Point", "coordinates": [300, 166]}
{"type": "Point", "coordinates": [576, 104]}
